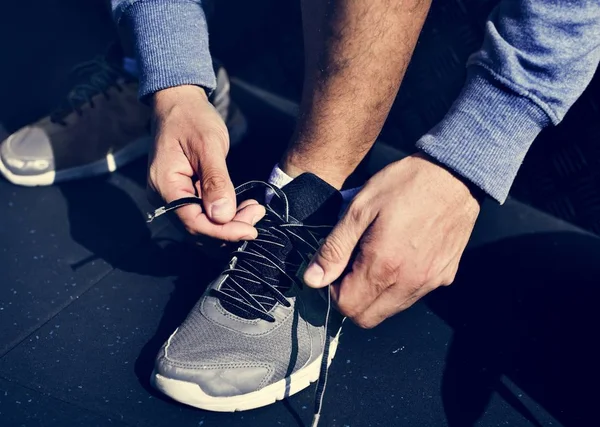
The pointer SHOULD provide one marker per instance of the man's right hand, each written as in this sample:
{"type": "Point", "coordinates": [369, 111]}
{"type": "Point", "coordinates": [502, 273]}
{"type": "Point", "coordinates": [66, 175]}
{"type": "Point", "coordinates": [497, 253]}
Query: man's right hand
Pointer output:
{"type": "Point", "coordinates": [191, 141]}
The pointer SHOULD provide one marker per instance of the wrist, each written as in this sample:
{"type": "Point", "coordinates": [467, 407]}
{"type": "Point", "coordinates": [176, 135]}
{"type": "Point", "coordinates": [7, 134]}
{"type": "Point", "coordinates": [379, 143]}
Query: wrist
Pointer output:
{"type": "Point", "coordinates": [455, 184]}
{"type": "Point", "coordinates": [175, 94]}
{"type": "Point", "coordinates": [487, 132]}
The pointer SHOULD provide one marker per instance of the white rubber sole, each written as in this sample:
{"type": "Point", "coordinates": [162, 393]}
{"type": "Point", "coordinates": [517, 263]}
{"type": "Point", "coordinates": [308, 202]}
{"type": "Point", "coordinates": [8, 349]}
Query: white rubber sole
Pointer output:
{"type": "Point", "coordinates": [110, 163]}
{"type": "Point", "coordinates": [191, 394]}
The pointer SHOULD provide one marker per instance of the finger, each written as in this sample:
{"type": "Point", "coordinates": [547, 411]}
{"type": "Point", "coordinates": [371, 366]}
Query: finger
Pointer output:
{"type": "Point", "coordinates": [245, 203]}
{"type": "Point", "coordinates": [197, 223]}
{"type": "Point", "coordinates": [392, 301]}
{"type": "Point", "coordinates": [334, 254]}
{"type": "Point", "coordinates": [194, 219]}
{"type": "Point", "coordinates": [233, 231]}
{"type": "Point", "coordinates": [218, 194]}
{"type": "Point", "coordinates": [179, 186]}
{"type": "Point", "coordinates": [353, 295]}
{"type": "Point", "coordinates": [371, 274]}
{"type": "Point", "coordinates": [197, 187]}
{"type": "Point", "coordinates": [250, 214]}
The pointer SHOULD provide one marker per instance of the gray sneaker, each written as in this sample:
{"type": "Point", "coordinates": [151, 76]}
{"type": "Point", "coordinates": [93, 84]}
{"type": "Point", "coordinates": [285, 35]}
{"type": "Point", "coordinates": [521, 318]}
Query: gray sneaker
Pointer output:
{"type": "Point", "coordinates": [100, 127]}
{"type": "Point", "coordinates": [258, 334]}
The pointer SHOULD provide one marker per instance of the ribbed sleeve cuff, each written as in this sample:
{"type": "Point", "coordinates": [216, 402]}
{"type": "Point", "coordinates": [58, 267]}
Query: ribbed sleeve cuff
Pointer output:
{"type": "Point", "coordinates": [486, 134]}
{"type": "Point", "coordinates": [171, 41]}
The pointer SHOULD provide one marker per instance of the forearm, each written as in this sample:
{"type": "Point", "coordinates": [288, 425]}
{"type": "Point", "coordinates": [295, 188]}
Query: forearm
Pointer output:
{"type": "Point", "coordinates": [170, 40]}
{"type": "Point", "coordinates": [356, 56]}
{"type": "Point", "coordinates": [538, 57]}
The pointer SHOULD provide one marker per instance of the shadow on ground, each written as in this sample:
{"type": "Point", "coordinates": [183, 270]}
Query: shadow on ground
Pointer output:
{"type": "Point", "coordinates": [106, 220]}
{"type": "Point", "coordinates": [524, 312]}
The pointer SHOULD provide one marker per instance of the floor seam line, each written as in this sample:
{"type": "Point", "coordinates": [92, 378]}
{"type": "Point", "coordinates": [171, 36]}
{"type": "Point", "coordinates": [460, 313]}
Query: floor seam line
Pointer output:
{"type": "Point", "coordinates": [75, 298]}
{"type": "Point", "coordinates": [58, 311]}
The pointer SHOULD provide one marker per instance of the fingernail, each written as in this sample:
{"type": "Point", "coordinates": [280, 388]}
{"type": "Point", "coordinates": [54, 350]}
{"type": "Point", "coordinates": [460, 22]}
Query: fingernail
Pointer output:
{"type": "Point", "coordinates": [249, 237]}
{"type": "Point", "coordinates": [221, 209]}
{"type": "Point", "coordinates": [313, 276]}
{"type": "Point", "coordinates": [256, 219]}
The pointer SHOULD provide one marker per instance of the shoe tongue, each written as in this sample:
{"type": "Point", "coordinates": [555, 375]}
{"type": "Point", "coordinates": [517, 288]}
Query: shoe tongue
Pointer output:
{"type": "Point", "coordinates": [312, 200]}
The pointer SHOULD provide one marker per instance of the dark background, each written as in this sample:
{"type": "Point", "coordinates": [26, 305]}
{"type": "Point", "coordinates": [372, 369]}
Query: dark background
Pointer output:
{"type": "Point", "coordinates": [261, 42]}
{"type": "Point", "coordinates": [88, 292]}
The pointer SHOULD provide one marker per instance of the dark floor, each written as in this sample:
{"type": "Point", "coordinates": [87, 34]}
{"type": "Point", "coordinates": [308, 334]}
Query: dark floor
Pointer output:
{"type": "Point", "coordinates": [89, 292]}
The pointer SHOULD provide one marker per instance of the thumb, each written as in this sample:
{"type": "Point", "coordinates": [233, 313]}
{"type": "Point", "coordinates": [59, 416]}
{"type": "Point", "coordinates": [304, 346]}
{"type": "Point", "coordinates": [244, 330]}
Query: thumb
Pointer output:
{"type": "Point", "coordinates": [218, 194]}
{"type": "Point", "coordinates": [333, 256]}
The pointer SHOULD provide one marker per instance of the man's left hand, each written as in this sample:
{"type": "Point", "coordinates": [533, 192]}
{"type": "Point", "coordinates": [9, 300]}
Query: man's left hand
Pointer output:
{"type": "Point", "coordinates": [409, 225]}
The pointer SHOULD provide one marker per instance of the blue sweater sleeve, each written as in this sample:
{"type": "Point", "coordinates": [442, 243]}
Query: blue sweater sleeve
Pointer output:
{"type": "Point", "coordinates": [171, 42]}
{"type": "Point", "coordinates": [537, 58]}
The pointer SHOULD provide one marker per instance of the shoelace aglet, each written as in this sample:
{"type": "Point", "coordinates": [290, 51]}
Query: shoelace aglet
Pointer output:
{"type": "Point", "coordinates": [158, 212]}
{"type": "Point", "coordinates": [315, 421]}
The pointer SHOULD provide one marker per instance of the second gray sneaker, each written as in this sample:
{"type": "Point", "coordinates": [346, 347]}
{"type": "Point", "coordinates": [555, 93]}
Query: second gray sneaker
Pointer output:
{"type": "Point", "coordinates": [100, 127]}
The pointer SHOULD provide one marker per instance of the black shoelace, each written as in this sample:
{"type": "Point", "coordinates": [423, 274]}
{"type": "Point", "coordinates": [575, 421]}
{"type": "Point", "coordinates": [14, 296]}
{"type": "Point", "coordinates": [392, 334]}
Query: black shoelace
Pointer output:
{"type": "Point", "coordinates": [275, 228]}
{"type": "Point", "coordinates": [102, 76]}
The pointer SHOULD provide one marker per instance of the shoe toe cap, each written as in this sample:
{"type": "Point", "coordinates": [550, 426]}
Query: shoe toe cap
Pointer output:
{"type": "Point", "coordinates": [216, 380]}
{"type": "Point", "coordinates": [27, 152]}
